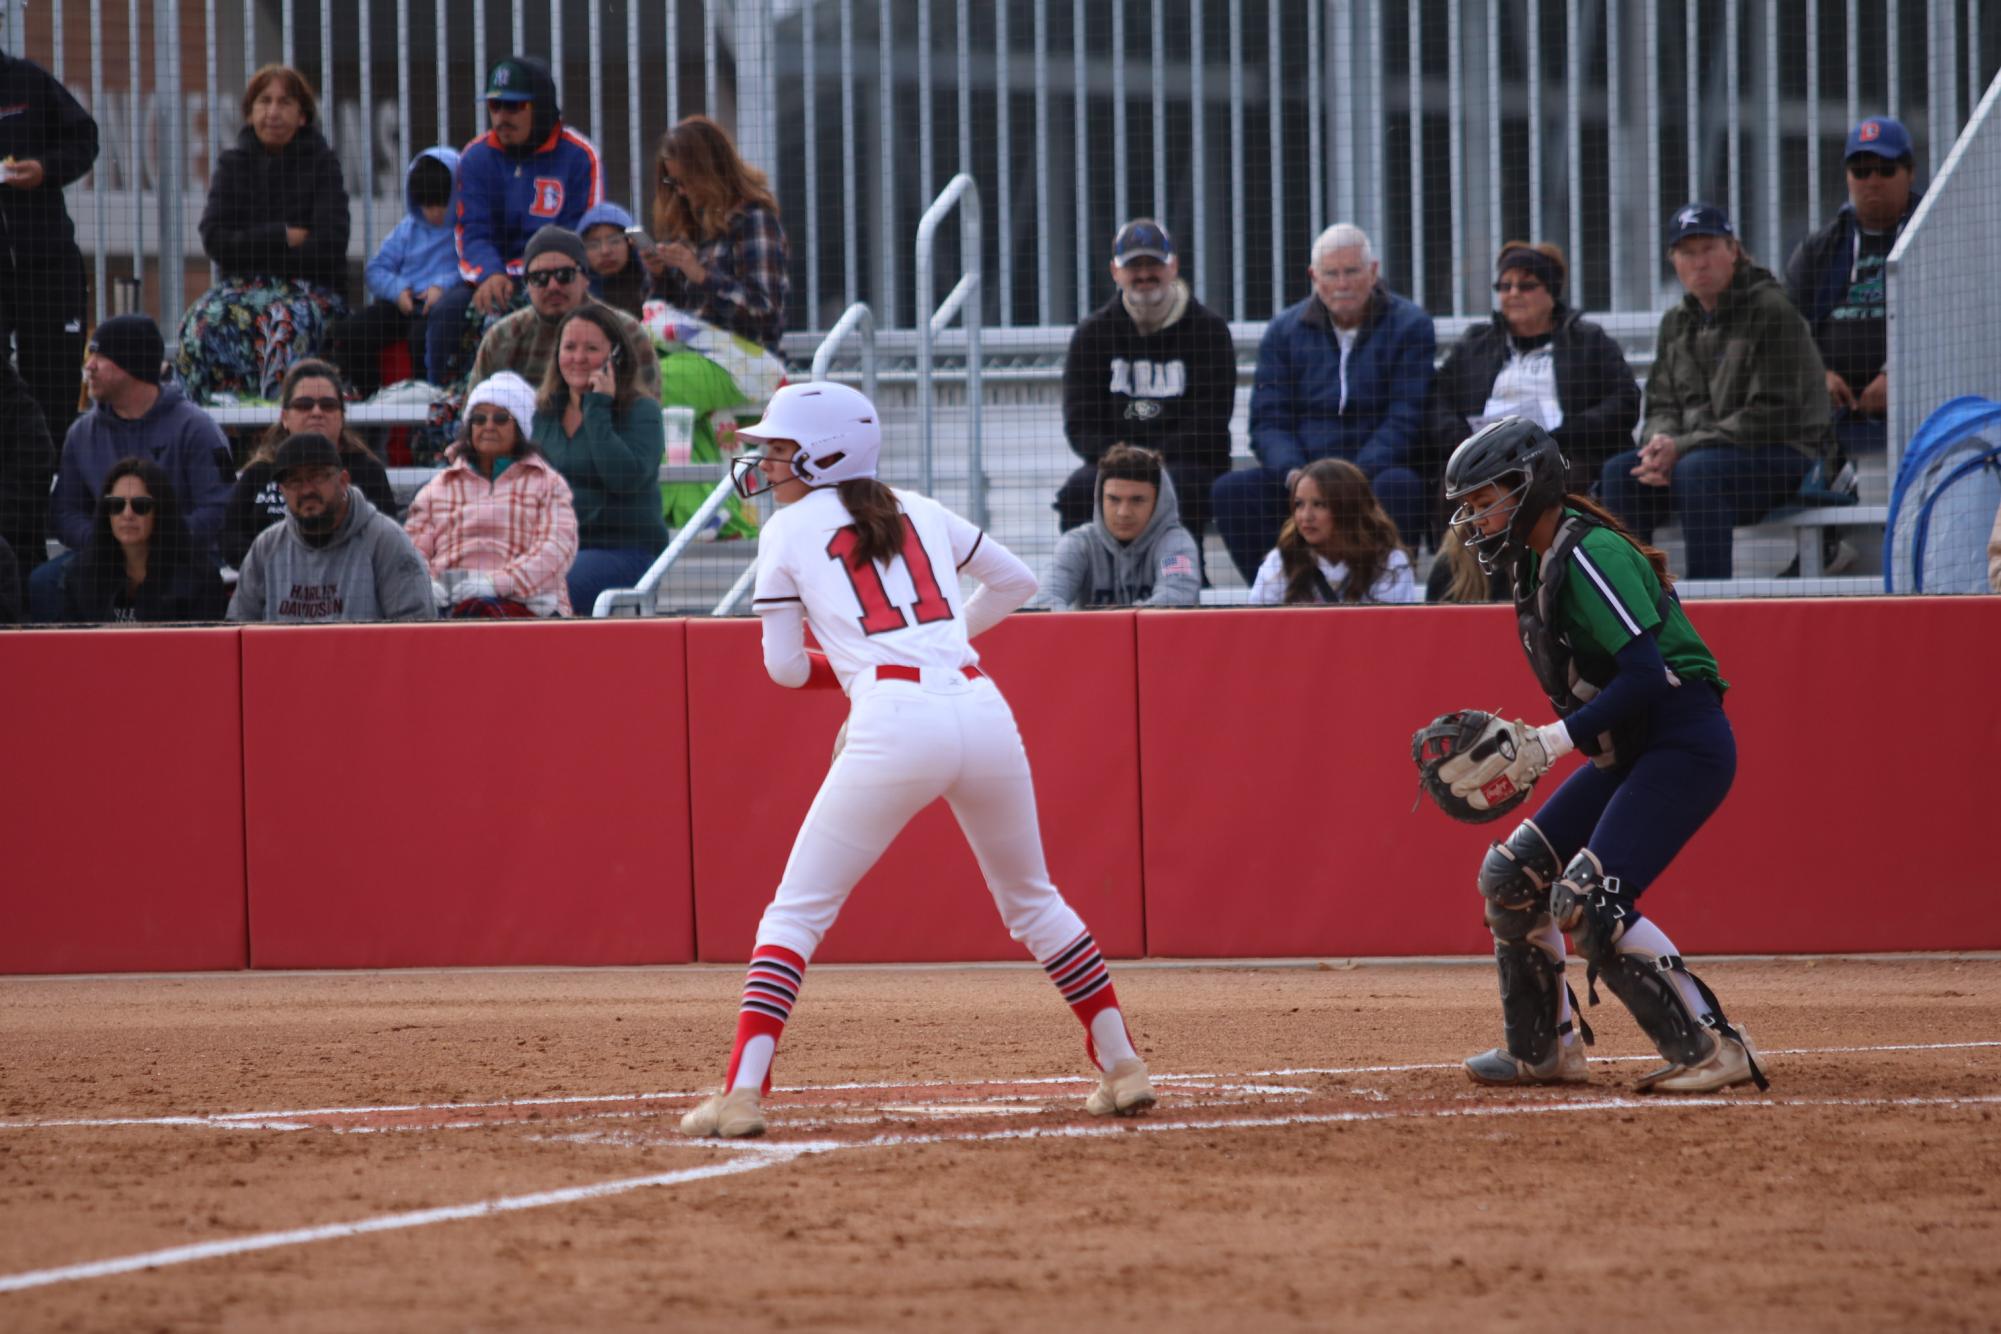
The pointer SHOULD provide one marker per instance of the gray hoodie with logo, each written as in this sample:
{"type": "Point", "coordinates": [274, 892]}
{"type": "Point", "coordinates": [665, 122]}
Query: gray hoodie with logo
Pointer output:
{"type": "Point", "coordinates": [368, 570]}
{"type": "Point", "coordinates": [1162, 567]}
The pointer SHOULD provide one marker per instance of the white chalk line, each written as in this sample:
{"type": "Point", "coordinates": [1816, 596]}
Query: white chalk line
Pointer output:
{"type": "Point", "coordinates": [751, 1157]}
{"type": "Point", "coordinates": [281, 1120]}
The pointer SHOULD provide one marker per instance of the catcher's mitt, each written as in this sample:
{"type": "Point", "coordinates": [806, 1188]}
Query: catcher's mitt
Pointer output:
{"type": "Point", "coordinates": [1451, 747]}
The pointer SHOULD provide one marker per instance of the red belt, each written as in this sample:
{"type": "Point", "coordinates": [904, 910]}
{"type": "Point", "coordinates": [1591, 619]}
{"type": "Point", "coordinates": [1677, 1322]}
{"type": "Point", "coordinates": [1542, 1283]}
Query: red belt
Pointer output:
{"type": "Point", "coordinates": [898, 672]}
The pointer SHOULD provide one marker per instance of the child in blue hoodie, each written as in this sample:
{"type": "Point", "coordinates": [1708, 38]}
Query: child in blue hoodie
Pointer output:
{"type": "Point", "coordinates": [416, 264]}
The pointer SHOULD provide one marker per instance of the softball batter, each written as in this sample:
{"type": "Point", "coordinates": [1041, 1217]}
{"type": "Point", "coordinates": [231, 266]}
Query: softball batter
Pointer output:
{"type": "Point", "coordinates": [1638, 691]}
{"type": "Point", "coordinates": [875, 572]}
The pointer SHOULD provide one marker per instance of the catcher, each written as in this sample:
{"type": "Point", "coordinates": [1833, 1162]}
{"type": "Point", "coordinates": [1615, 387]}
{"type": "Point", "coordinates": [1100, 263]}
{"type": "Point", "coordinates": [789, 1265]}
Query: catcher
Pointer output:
{"type": "Point", "coordinates": [1637, 691]}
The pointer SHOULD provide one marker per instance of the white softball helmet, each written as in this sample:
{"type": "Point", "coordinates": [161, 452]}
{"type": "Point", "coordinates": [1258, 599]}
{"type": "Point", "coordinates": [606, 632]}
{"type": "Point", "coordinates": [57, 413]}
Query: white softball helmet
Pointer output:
{"type": "Point", "coordinates": [834, 426]}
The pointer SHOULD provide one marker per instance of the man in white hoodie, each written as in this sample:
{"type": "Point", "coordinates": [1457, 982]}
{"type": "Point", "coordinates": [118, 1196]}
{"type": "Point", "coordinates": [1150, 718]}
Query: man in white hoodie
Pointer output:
{"type": "Point", "coordinates": [1134, 552]}
{"type": "Point", "coordinates": [334, 557]}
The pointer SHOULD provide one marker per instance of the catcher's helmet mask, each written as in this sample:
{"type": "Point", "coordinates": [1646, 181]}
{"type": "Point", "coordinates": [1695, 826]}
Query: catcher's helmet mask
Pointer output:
{"type": "Point", "coordinates": [1524, 460]}
{"type": "Point", "coordinates": [834, 429]}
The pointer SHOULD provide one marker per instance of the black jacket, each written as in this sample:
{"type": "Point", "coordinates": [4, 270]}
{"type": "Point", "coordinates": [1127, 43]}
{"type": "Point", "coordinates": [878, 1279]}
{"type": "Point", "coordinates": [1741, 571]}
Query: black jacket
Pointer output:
{"type": "Point", "coordinates": [255, 502]}
{"type": "Point", "coordinates": [1594, 387]}
{"type": "Point", "coordinates": [27, 465]}
{"type": "Point", "coordinates": [256, 195]}
{"type": "Point", "coordinates": [49, 127]}
{"type": "Point", "coordinates": [1817, 274]}
{"type": "Point", "coordinates": [1172, 390]}
{"type": "Point", "coordinates": [181, 585]}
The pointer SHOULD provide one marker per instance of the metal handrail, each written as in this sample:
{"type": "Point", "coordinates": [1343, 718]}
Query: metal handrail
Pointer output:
{"type": "Point", "coordinates": [964, 192]}
{"type": "Point", "coordinates": [642, 596]}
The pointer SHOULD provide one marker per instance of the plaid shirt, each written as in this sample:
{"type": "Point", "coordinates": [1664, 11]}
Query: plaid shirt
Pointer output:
{"type": "Point", "coordinates": [747, 284]}
{"type": "Point", "coordinates": [521, 528]}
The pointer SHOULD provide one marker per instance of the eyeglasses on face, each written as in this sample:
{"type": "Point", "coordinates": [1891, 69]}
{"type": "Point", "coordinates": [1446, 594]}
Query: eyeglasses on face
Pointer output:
{"type": "Point", "coordinates": [543, 277]}
{"type": "Point", "coordinates": [1882, 168]}
{"type": "Point", "coordinates": [503, 106]}
{"type": "Point", "coordinates": [1517, 285]}
{"type": "Point", "coordinates": [141, 505]}
{"type": "Point", "coordinates": [304, 404]}
{"type": "Point", "coordinates": [668, 179]}
{"type": "Point", "coordinates": [495, 418]}
{"type": "Point", "coordinates": [604, 244]}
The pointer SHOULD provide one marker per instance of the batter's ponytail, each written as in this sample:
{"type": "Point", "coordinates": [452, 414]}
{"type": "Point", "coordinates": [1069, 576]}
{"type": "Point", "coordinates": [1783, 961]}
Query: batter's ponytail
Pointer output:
{"type": "Point", "coordinates": [878, 519]}
{"type": "Point", "coordinates": [1655, 556]}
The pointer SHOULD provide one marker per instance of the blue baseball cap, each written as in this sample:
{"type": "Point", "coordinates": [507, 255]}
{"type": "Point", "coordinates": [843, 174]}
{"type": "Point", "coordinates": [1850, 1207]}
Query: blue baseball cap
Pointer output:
{"type": "Point", "coordinates": [1142, 238]}
{"type": "Point", "coordinates": [1879, 136]}
{"type": "Point", "coordinates": [606, 214]}
{"type": "Point", "coordinates": [1697, 219]}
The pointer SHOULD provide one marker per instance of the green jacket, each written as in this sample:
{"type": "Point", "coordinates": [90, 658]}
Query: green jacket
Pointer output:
{"type": "Point", "coordinates": [1749, 375]}
{"type": "Point", "coordinates": [612, 465]}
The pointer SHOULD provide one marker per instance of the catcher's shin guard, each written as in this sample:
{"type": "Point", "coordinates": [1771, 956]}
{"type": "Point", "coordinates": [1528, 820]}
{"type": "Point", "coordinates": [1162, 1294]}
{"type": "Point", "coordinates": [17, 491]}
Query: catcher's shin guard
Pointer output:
{"type": "Point", "coordinates": [1514, 879]}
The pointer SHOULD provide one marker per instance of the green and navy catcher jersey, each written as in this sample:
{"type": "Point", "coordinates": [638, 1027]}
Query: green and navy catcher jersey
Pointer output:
{"type": "Point", "coordinates": [1610, 598]}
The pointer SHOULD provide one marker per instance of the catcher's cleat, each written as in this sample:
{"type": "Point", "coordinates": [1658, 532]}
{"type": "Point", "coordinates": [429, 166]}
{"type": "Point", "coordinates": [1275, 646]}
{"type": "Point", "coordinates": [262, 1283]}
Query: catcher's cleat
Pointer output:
{"type": "Point", "coordinates": [1122, 1090]}
{"type": "Point", "coordinates": [1565, 1065]}
{"type": "Point", "coordinates": [732, 1115]}
{"type": "Point", "coordinates": [1732, 1061]}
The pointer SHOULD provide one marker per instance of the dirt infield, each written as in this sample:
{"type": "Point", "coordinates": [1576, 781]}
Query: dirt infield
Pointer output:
{"type": "Point", "coordinates": [495, 1151]}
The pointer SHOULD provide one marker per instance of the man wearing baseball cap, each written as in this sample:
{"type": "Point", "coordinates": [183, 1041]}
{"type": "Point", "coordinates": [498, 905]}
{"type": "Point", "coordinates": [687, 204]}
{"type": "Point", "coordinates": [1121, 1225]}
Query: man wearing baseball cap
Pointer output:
{"type": "Point", "coordinates": [527, 171]}
{"type": "Point", "coordinates": [1835, 277]}
{"type": "Point", "coordinates": [334, 557]}
{"type": "Point", "coordinates": [1153, 368]}
{"type": "Point", "coordinates": [135, 416]}
{"type": "Point", "coordinates": [1736, 403]}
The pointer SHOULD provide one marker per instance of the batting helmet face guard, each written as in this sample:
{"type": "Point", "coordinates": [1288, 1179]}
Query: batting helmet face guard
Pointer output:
{"type": "Point", "coordinates": [834, 427]}
{"type": "Point", "coordinates": [1525, 464]}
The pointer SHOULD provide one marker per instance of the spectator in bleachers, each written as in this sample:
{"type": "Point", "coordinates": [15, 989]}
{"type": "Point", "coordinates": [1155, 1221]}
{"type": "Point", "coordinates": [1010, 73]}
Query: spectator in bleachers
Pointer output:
{"type": "Point", "coordinates": [606, 438]}
{"type": "Point", "coordinates": [135, 417]}
{"type": "Point", "coordinates": [1835, 277]}
{"type": "Point", "coordinates": [1135, 551]}
{"type": "Point", "coordinates": [140, 565]}
{"type": "Point", "coordinates": [417, 262]}
{"type": "Point", "coordinates": [1152, 367]}
{"type": "Point", "coordinates": [1338, 546]}
{"type": "Point", "coordinates": [1537, 358]}
{"type": "Point", "coordinates": [617, 277]}
{"type": "Point", "coordinates": [556, 273]}
{"type": "Point", "coordinates": [27, 463]}
{"type": "Point", "coordinates": [1344, 374]}
{"type": "Point", "coordinates": [47, 141]}
{"type": "Point", "coordinates": [1994, 555]}
{"type": "Point", "coordinates": [529, 170]}
{"type": "Point", "coordinates": [335, 557]}
{"type": "Point", "coordinates": [312, 406]}
{"type": "Point", "coordinates": [276, 227]}
{"type": "Point", "coordinates": [497, 527]}
{"type": "Point", "coordinates": [1456, 576]}
{"type": "Point", "coordinates": [1736, 403]}
{"type": "Point", "coordinates": [11, 605]}
{"type": "Point", "coordinates": [721, 252]}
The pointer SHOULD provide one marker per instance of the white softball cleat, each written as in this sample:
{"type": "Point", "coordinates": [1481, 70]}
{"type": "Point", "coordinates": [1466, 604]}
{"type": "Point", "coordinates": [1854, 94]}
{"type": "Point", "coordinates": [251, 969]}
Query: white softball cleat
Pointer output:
{"type": "Point", "coordinates": [1122, 1090]}
{"type": "Point", "coordinates": [1729, 1064]}
{"type": "Point", "coordinates": [733, 1115]}
{"type": "Point", "coordinates": [1566, 1065]}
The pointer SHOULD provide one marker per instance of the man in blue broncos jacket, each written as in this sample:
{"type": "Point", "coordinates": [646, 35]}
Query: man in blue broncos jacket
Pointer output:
{"type": "Point", "coordinates": [528, 171]}
{"type": "Point", "coordinates": [1343, 374]}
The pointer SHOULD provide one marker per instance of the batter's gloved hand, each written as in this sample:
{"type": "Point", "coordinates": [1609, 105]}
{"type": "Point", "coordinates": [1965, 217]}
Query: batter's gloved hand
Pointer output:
{"type": "Point", "coordinates": [1477, 767]}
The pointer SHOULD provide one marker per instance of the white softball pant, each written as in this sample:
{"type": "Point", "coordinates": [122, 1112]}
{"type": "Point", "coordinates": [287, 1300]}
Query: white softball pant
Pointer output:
{"type": "Point", "coordinates": [909, 743]}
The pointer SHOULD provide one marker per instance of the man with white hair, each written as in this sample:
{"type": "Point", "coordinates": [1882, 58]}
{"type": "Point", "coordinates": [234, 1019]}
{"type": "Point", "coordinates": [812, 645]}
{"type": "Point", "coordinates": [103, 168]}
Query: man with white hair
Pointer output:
{"type": "Point", "coordinates": [1343, 374]}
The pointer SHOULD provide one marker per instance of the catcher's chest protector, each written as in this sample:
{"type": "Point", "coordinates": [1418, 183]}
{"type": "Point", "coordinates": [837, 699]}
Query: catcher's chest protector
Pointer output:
{"type": "Point", "coordinates": [1566, 682]}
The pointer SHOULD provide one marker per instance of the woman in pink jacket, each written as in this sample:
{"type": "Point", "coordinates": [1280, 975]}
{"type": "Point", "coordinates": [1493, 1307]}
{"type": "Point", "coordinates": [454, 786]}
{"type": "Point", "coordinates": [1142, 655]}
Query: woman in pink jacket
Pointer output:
{"type": "Point", "coordinates": [497, 526]}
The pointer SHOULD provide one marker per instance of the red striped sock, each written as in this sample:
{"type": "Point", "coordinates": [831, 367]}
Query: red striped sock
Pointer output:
{"type": "Point", "coordinates": [1079, 972]}
{"type": "Point", "coordinates": [770, 986]}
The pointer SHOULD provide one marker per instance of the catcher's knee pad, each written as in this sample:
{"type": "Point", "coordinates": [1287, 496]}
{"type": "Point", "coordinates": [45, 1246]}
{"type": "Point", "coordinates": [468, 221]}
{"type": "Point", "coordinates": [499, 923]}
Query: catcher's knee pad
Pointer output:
{"type": "Point", "coordinates": [1592, 907]}
{"type": "Point", "coordinates": [1516, 874]}
{"type": "Point", "coordinates": [1643, 982]}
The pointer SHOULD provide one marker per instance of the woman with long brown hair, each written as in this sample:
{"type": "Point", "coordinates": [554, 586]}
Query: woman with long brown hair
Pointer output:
{"type": "Point", "coordinates": [310, 401]}
{"type": "Point", "coordinates": [875, 573]}
{"type": "Point", "coordinates": [720, 254]}
{"type": "Point", "coordinates": [1338, 546]}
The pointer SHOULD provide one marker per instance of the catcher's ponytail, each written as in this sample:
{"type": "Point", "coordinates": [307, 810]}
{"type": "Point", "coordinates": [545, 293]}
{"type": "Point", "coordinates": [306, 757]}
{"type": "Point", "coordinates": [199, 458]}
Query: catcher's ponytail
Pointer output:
{"type": "Point", "coordinates": [878, 519]}
{"type": "Point", "coordinates": [1655, 556]}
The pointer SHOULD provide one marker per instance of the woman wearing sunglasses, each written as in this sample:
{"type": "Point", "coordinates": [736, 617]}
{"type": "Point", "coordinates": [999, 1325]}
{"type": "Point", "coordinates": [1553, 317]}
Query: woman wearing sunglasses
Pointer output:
{"type": "Point", "coordinates": [311, 405]}
{"type": "Point", "coordinates": [1537, 359]}
{"type": "Point", "coordinates": [497, 527]}
{"type": "Point", "coordinates": [140, 564]}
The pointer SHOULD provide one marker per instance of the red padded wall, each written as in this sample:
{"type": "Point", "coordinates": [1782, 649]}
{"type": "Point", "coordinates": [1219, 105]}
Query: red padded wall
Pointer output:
{"type": "Point", "coordinates": [122, 827]}
{"type": "Point", "coordinates": [504, 793]}
{"type": "Point", "coordinates": [759, 753]}
{"type": "Point", "coordinates": [1854, 823]}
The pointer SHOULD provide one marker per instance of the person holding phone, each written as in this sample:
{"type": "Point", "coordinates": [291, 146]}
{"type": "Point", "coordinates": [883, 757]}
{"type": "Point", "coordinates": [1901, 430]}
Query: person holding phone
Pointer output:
{"type": "Point", "coordinates": [724, 255]}
{"type": "Point", "coordinates": [606, 438]}
{"type": "Point", "coordinates": [557, 272]}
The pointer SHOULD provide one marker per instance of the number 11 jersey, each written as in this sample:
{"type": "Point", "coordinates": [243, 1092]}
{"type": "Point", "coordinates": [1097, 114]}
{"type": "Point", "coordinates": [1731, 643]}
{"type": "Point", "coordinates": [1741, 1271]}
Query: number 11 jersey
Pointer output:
{"type": "Point", "coordinates": [908, 612]}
